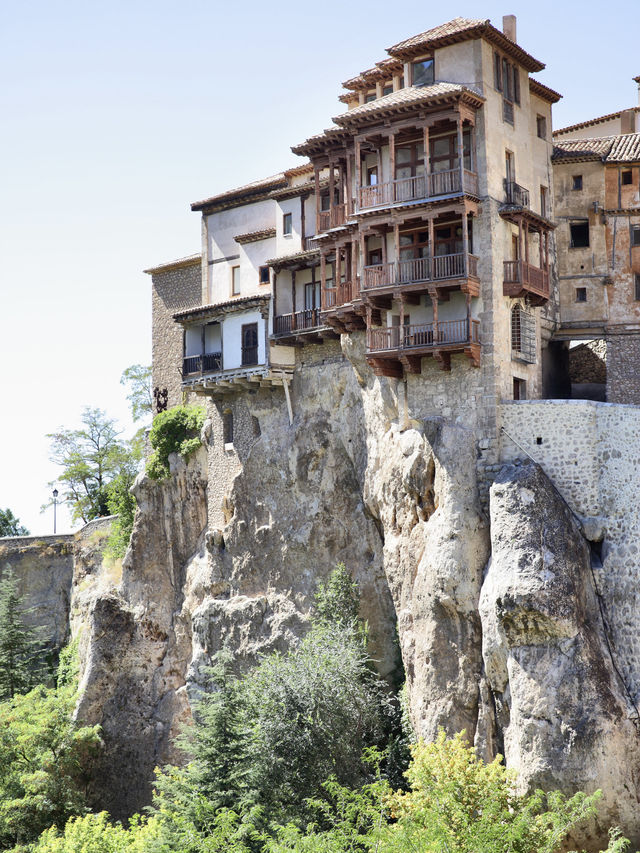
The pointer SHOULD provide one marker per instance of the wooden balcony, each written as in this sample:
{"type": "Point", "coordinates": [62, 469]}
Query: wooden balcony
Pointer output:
{"type": "Point", "coordinates": [197, 365]}
{"type": "Point", "coordinates": [299, 328]}
{"type": "Point", "coordinates": [417, 188]}
{"type": "Point", "coordinates": [340, 295]}
{"type": "Point", "coordinates": [332, 218]}
{"type": "Point", "coordinates": [523, 279]}
{"type": "Point", "coordinates": [394, 348]}
{"type": "Point", "coordinates": [440, 269]}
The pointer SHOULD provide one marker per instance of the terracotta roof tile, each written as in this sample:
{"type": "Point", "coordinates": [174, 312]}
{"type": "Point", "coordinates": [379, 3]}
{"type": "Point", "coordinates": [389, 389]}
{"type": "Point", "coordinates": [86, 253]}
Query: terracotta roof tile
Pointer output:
{"type": "Point", "coordinates": [625, 148]}
{"type": "Point", "coordinates": [590, 122]}
{"type": "Point", "coordinates": [188, 261]}
{"type": "Point", "coordinates": [544, 92]}
{"type": "Point", "coordinates": [582, 149]}
{"type": "Point", "coordinates": [456, 26]}
{"type": "Point", "coordinates": [405, 98]}
{"type": "Point", "coordinates": [248, 189]}
{"type": "Point", "coordinates": [255, 236]}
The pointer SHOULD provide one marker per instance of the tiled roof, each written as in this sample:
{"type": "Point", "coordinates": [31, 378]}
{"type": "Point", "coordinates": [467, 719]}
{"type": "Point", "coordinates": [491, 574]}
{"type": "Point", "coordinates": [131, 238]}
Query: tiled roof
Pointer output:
{"type": "Point", "coordinates": [582, 149]}
{"type": "Point", "coordinates": [188, 261]}
{"type": "Point", "coordinates": [254, 236]}
{"type": "Point", "coordinates": [319, 140]}
{"type": "Point", "coordinates": [222, 307]}
{"type": "Point", "coordinates": [256, 187]}
{"type": "Point", "coordinates": [542, 91]}
{"type": "Point", "coordinates": [591, 121]}
{"type": "Point", "coordinates": [381, 71]}
{"type": "Point", "coordinates": [462, 29]}
{"type": "Point", "coordinates": [625, 148]}
{"type": "Point", "coordinates": [408, 97]}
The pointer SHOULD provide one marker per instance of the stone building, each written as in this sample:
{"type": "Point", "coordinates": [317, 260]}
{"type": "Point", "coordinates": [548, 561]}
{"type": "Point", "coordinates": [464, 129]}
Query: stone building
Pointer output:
{"type": "Point", "coordinates": [596, 168]}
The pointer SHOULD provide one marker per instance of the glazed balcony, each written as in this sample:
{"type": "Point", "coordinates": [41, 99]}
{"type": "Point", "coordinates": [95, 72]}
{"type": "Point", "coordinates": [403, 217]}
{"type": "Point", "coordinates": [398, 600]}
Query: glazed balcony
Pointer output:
{"type": "Point", "coordinates": [441, 268]}
{"type": "Point", "coordinates": [198, 365]}
{"type": "Point", "coordinates": [332, 218]}
{"type": "Point", "coordinates": [524, 279]}
{"type": "Point", "coordinates": [406, 345]}
{"type": "Point", "coordinates": [419, 187]}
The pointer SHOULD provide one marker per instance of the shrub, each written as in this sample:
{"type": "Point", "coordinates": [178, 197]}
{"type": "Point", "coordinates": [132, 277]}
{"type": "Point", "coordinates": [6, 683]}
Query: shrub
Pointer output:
{"type": "Point", "coordinates": [176, 430]}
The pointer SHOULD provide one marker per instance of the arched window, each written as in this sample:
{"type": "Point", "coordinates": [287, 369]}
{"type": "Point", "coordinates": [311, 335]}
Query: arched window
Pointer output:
{"type": "Point", "coordinates": [227, 426]}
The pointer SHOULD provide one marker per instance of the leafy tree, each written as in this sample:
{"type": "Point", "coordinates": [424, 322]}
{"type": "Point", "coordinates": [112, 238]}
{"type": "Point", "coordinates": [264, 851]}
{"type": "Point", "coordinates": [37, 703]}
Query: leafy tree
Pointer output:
{"type": "Point", "coordinates": [176, 430]}
{"type": "Point", "coordinates": [90, 459]}
{"type": "Point", "coordinates": [138, 379]}
{"type": "Point", "coordinates": [120, 499]}
{"type": "Point", "coordinates": [10, 525]}
{"type": "Point", "coordinates": [20, 652]}
{"type": "Point", "coordinates": [45, 761]}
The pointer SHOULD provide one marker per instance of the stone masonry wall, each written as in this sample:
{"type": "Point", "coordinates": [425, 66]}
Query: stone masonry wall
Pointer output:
{"type": "Point", "coordinates": [590, 452]}
{"type": "Point", "coordinates": [623, 369]}
{"type": "Point", "coordinates": [175, 287]}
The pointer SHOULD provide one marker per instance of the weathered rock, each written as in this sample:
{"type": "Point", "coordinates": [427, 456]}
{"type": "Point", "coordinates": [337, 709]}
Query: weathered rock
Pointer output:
{"type": "Point", "coordinates": [561, 710]}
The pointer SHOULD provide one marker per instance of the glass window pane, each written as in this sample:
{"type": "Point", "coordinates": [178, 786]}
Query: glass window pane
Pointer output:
{"type": "Point", "coordinates": [423, 72]}
{"type": "Point", "coordinates": [403, 155]}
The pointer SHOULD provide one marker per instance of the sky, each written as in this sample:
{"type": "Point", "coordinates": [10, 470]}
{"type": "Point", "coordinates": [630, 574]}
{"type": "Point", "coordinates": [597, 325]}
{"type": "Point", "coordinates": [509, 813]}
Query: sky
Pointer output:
{"type": "Point", "coordinates": [116, 116]}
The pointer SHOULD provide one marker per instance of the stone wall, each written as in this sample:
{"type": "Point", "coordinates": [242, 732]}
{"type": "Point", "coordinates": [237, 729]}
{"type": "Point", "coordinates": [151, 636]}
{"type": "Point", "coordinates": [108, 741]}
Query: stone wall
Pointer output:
{"type": "Point", "coordinates": [590, 452]}
{"type": "Point", "coordinates": [588, 362]}
{"type": "Point", "coordinates": [623, 369]}
{"type": "Point", "coordinates": [175, 287]}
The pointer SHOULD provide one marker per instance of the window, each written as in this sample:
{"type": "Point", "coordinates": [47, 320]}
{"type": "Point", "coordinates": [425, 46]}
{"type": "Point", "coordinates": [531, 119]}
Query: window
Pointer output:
{"type": "Point", "coordinates": [370, 96]}
{"type": "Point", "coordinates": [543, 202]}
{"type": "Point", "coordinates": [637, 287]}
{"type": "Point", "coordinates": [519, 389]}
{"type": "Point", "coordinates": [579, 234]}
{"type": "Point", "coordinates": [387, 90]}
{"type": "Point", "coordinates": [581, 294]}
{"type": "Point", "coordinates": [541, 127]}
{"type": "Point", "coordinates": [577, 182]}
{"type": "Point", "coordinates": [635, 235]}
{"type": "Point", "coordinates": [249, 344]}
{"type": "Point", "coordinates": [372, 176]}
{"type": "Point", "coordinates": [227, 426]}
{"type": "Point", "coordinates": [506, 80]}
{"type": "Point", "coordinates": [287, 224]}
{"type": "Point", "coordinates": [263, 275]}
{"type": "Point", "coordinates": [235, 281]}
{"type": "Point", "coordinates": [523, 335]}
{"type": "Point", "coordinates": [627, 177]}
{"type": "Point", "coordinates": [422, 73]}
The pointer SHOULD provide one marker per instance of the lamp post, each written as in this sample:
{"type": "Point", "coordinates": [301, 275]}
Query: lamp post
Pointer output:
{"type": "Point", "coordinates": [55, 503]}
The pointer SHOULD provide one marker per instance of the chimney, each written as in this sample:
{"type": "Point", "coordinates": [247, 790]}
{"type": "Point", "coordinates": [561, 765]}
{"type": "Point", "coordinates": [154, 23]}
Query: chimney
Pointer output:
{"type": "Point", "coordinates": [509, 27]}
{"type": "Point", "coordinates": [628, 121]}
{"type": "Point", "coordinates": [637, 80]}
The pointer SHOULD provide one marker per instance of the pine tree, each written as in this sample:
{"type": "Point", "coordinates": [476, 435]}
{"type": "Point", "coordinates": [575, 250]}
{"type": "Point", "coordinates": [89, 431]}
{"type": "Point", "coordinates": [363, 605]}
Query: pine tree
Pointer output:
{"type": "Point", "coordinates": [19, 649]}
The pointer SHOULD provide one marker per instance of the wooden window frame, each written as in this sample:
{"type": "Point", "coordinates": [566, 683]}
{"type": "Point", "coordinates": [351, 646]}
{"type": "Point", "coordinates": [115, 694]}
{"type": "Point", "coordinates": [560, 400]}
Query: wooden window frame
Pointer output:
{"type": "Point", "coordinates": [541, 127]}
{"type": "Point", "coordinates": [576, 183]}
{"type": "Point", "coordinates": [422, 61]}
{"type": "Point", "coordinates": [235, 292]}
{"type": "Point", "coordinates": [581, 294]}
{"type": "Point", "coordinates": [287, 220]}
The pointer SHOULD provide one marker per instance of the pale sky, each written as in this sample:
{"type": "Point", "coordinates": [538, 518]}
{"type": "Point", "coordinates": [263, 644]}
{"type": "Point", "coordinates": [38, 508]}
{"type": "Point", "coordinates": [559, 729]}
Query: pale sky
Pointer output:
{"type": "Point", "coordinates": [117, 116]}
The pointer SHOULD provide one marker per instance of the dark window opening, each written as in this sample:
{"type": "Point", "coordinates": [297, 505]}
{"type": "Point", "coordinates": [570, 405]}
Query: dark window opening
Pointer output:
{"type": "Point", "coordinates": [370, 96]}
{"type": "Point", "coordinates": [627, 177]}
{"type": "Point", "coordinates": [519, 389]}
{"type": "Point", "coordinates": [539, 439]}
{"type": "Point", "coordinates": [263, 275]}
{"type": "Point", "coordinates": [635, 235]}
{"type": "Point", "coordinates": [422, 73]}
{"type": "Point", "coordinates": [387, 90]}
{"type": "Point", "coordinates": [541, 127]}
{"type": "Point", "coordinates": [581, 294]}
{"type": "Point", "coordinates": [577, 182]}
{"type": "Point", "coordinates": [579, 234]}
{"type": "Point", "coordinates": [227, 426]}
{"type": "Point", "coordinates": [637, 287]}
{"type": "Point", "coordinates": [287, 224]}
{"type": "Point", "coordinates": [249, 344]}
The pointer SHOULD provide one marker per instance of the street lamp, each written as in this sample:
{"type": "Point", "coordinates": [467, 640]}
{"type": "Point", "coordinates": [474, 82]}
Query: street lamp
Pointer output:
{"type": "Point", "coordinates": [55, 503]}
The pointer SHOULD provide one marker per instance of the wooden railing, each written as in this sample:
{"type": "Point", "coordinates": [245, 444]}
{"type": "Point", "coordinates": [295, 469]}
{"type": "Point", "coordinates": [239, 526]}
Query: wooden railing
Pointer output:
{"type": "Point", "coordinates": [309, 244]}
{"type": "Point", "coordinates": [332, 218]}
{"type": "Point", "coordinates": [423, 335]}
{"type": "Point", "coordinates": [340, 295]}
{"type": "Point", "coordinates": [419, 269]}
{"type": "Point", "coordinates": [526, 275]}
{"type": "Point", "coordinates": [418, 187]}
{"type": "Point", "coordinates": [284, 324]}
{"type": "Point", "coordinates": [210, 362]}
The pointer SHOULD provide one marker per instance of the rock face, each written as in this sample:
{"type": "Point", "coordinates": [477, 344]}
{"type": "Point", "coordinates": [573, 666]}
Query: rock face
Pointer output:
{"type": "Point", "coordinates": [562, 716]}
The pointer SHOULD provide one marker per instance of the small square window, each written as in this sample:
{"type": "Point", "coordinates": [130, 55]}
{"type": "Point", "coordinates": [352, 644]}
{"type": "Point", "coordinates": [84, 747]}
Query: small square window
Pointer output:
{"type": "Point", "coordinates": [637, 287]}
{"type": "Point", "coordinates": [635, 235]}
{"type": "Point", "coordinates": [581, 294]}
{"type": "Point", "coordinates": [235, 281]}
{"type": "Point", "coordinates": [541, 127]}
{"type": "Point", "coordinates": [626, 177]}
{"type": "Point", "coordinates": [577, 182]}
{"type": "Point", "coordinates": [287, 224]}
{"type": "Point", "coordinates": [422, 73]}
{"type": "Point", "coordinates": [579, 234]}
{"type": "Point", "coordinates": [387, 90]}
{"type": "Point", "coordinates": [519, 389]}
{"type": "Point", "coordinates": [263, 275]}
{"type": "Point", "coordinates": [370, 96]}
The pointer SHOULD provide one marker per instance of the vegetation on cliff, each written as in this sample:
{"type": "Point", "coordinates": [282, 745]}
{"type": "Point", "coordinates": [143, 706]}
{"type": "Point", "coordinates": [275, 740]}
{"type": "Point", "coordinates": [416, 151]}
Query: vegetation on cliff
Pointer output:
{"type": "Point", "coordinates": [10, 525]}
{"type": "Point", "coordinates": [175, 430]}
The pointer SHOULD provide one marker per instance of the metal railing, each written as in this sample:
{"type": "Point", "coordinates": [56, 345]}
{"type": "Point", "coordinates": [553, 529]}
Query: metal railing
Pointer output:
{"type": "Point", "coordinates": [526, 275]}
{"type": "Point", "coordinates": [284, 324]}
{"type": "Point", "coordinates": [438, 268]}
{"type": "Point", "coordinates": [332, 218]}
{"type": "Point", "coordinates": [401, 190]}
{"type": "Point", "coordinates": [210, 362]}
{"type": "Point", "coordinates": [515, 194]}
{"type": "Point", "coordinates": [423, 335]}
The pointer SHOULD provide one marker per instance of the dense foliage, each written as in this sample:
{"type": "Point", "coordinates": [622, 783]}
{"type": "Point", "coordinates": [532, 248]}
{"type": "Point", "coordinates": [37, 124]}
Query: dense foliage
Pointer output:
{"type": "Point", "coordinates": [10, 525]}
{"type": "Point", "coordinates": [21, 654]}
{"type": "Point", "coordinates": [176, 430]}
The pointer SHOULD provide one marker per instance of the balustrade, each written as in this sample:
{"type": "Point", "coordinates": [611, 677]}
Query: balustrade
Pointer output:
{"type": "Point", "coordinates": [447, 182]}
{"type": "Point", "coordinates": [438, 268]}
{"type": "Point", "coordinates": [423, 335]}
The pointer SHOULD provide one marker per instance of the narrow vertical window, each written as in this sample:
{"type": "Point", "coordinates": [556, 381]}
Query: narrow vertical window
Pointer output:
{"type": "Point", "coordinates": [541, 127]}
{"type": "Point", "coordinates": [227, 426]}
{"type": "Point", "coordinates": [287, 224]}
{"type": "Point", "coordinates": [235, 281]}
{"type": "Point", "coordinates": [637, 286]}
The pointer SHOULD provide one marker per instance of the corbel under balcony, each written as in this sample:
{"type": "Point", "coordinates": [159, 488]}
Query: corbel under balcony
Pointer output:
{"type": "Point", "coordinates": [241, 379]}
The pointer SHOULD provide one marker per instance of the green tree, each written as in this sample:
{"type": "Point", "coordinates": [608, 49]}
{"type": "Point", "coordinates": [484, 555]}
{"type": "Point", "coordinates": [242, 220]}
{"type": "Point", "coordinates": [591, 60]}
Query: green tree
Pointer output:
{"type": "Point", "coordinates": [10, 525]}
{"type": "Point", "coordinates": [90, 459]}
{"type": "Point", "coordinates": [137, 378]}
{"type": "Point", "coordinates": [176, 430]}
{"type": "Point", "coordinates": [21, 660]}
{"type": "Point", "coordinates": [120, 499]}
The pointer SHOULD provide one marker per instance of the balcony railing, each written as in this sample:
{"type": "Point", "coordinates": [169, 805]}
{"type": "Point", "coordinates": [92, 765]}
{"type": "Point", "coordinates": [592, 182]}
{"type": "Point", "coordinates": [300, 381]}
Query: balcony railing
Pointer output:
{"type": "Point", "coordinates": [515, 194]}
{"type": "Point", "coordinates": [210, 362]}
{"type": "Point", "coordinates": [285, 324]}
{"type": "Point", "coordinates": [401, 190]}
{"type": "Point", "coordinates": [519, 275]}
{"type": "Point", "coordinates": [332, 218]}
{"type": "Point", "coordinates": [340, 295]}
{"type": "Point", "coordinates": [309, 244]}
{"type": "Point", "coordinates": [439, 268]}
{"type": "Point", "coordinates": [423, 336]}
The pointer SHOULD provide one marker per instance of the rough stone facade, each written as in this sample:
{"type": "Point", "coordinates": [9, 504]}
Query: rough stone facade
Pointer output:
{"type": "Point", "coordinates": [175, 287]}
{"type": "Point", "coordinates": [623, 369]}
{"type": "Point", "coordinates": [588, 363]}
